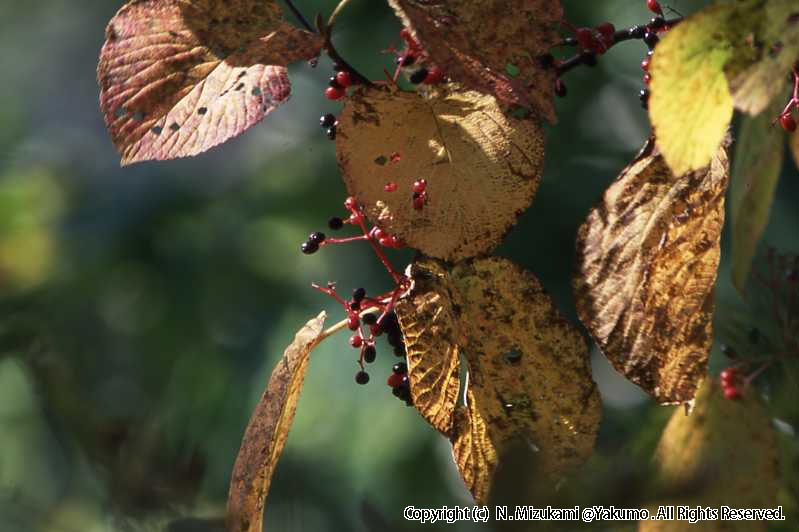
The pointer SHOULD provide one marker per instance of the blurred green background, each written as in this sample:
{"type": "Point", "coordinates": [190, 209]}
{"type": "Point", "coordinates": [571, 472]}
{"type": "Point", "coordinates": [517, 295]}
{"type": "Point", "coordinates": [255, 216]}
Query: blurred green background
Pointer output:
{"type": "Point", "coordinates": [142, 309]}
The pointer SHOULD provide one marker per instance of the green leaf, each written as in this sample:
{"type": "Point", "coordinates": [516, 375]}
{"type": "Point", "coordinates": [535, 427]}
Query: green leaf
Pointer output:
{"type": "Point", "coordinates": [756, 168]}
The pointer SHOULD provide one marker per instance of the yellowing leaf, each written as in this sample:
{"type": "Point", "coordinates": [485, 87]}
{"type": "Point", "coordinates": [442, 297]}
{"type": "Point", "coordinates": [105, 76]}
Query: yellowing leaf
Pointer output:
{"type": "Point", "coordinates": [427, 320]}
{"type": "Point", "coordinates": [267, 431]}
{"type": "Point", "coordinates": [759, 153]}
{"type": "Point", "coordinates": [647, 259]}
{"type": "Point", "coordinates": [482, 168]}
{"type": "Point", "coordinates": [491, 46]}
{"type": "Point", "coordinates": [690, 105]}
{"type": "Point", "coordinates": [723, 453]}
{"type": "Point", "coordinates": [178, 77]}
{"type": "Point", "coordinates": [529, 378]}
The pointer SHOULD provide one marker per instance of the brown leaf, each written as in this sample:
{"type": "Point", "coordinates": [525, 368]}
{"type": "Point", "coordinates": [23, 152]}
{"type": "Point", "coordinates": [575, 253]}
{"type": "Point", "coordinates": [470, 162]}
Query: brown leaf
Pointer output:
{"type": "Point", "coordinates": [723, 453]}
{"type": "Point", "coordinates": [179, 77]}
{"type": "Point", "coordinates": [647, 259]}
{"type": "Point", "coordinates": [428, 325]}
{"type": "Point", "coordinates": [528, 373]}
{"type": "Point", "coordinates": [492, 46]}
{"type": "Point", "coordinates": [267, 431]}
{"type": "Point", "coordinates": [482, 168]}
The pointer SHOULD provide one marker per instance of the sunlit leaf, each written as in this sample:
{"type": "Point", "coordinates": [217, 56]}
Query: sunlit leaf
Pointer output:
{"type": "Point", "coordinates": [482, 168]}
{"type": "Point", "coordinates": [266, 432]}
{"type": "Point", "coordinates": [428, 326]}
{"type": "Point", "coordinates": [179, 77]}
{"type": "Point", "coordinates": [647, 259]}
{"type": "Point", "coordinates": [492, 46]}
{"type": "Point", "coordinates": [735, 54]}
{"type": "Point", "coordinates": [529, 378]}
{"type": "Point", "coordinates": [759, 153]}
{"type": "Point", "coordinates": [722, 453]}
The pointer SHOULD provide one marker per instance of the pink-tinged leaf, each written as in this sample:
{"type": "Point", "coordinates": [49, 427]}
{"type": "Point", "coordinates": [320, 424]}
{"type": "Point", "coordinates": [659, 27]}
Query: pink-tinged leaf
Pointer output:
{"type": "Point", "coordinates": [178, 77]}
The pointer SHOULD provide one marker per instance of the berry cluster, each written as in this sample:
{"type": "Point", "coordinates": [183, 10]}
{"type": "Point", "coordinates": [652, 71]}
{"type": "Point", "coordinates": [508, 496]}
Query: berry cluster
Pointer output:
{"type": "Point", "coordinates": [730, 380]}
{"type": "Point", "coordinates": [786, 118]}
{"type": "Point", "coordinates": [419, 196]}
{"type": "Point", "coordinates": [329, 123]}
{"type": "Point", "coordinates": [413, 60]}
{"type": "Point", "coordinates": [338, 83]}
{"type": "Point", "coordinates": [400, 384]}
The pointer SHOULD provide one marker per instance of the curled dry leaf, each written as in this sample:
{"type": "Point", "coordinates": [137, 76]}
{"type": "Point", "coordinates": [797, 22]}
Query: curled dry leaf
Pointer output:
{"type": "Point", "coordinates": [759, 154]}
{"type": "Point", "coordinates": [179, 77]}
{"type": "Point", "coordinates": [528, 372]}
{"type": "Point", "coordinates": [267, 430]}
{"type": "Point", "coordinates": [492, 46]}
{"type": "Point", "coordinates": [723, 453]}
{"type": "Point", "coordinates": [482, 168]}
{"type": "Point", "coordinates": [647, 259]}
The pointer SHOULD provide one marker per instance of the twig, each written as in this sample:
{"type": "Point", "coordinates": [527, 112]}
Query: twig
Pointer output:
{"type": "Point", "coordinates": [334, 15]}
{"type": "Point", "coordinates": [333, 54]}
{"type": "Point", "coordinates": [300, 16]}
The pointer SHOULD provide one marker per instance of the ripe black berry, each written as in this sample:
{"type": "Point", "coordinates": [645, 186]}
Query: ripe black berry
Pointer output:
{"type": "Point", "coordinates": [637, 32]}
{"type": "Point", "coordinates": [418, 76]}
{"type": "Point", "coordinates": [651, 38]}
{"type": "Point", "coordinates": [406, 60]}
{"type": "Point", "coordinates": [316, 237]}
{"type": "Point", "coordinates": [334, 83]}
{"type": "Point", "coordinates": [369, 354]}
{"type": "Point", "coordinates": [644, 97]}
{"type": "Point", "coordinates": [309, 247]}
{"type": "Point", "coordinates": [335, 223]}
{"type": "Point", "coordinates": [394, 338]}
{"type": "Point", "coordinates": [358, 294]}
{"type": "Point", "coordinates": [588, 59]}
{"type": "Point", "coordinates": [657, 22]}
{"type": "Point", "coordinates": [331, 133]}
{"type": "Point", "coordinates": [399, 351]}
{"type": "Point", "coordinates": [327, 120]}
{"type": "Point", "coordinates": [369, 319]}
{"type": "Point", "coordinates": [361, 377]}
{"type": "Point", "coordinates": [400, 367]}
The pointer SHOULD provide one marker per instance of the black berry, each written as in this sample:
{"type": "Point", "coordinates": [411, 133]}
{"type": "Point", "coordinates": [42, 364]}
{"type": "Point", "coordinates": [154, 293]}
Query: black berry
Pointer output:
{"type": "Point", "coordinates": [335, 223]}
{"type": "Point", "coordinates": [358, 294]}
{"type": "Point", "coordinates": [327, 120]}
{"type": "Point", "coordinates": [418, 76]}
{"type": "Point", "coordinates": [406, 60]}
{"type": "Point", "coordinates": [637, 32]}
{"type": "Point", "coordinates": [651, 38]}
{"type": "Point", "coordinates": [644, 97]}
{"type": "Point", "coordinates": [361, 377]}
{"type": "Point", "coordinates": [369, 354]}
{"type": "Point", "coordinates": [588, 59]}
{"type": "Point", "coordinates": [316, 237]}
{"type": "Point", "coordinates": [369, 319]}
{"type": "Point", "coordinates": [657, 23]}
{"type": "Point", "coordinates": [400, 367]}
{"type": "Point", "coordinates": [331, 133]}
{"type": "Point", "coordinates": [309, 247]}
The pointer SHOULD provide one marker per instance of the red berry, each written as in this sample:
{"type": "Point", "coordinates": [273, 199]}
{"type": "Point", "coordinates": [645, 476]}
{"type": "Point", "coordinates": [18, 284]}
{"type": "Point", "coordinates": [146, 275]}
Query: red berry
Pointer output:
{"type": "Point", "coordinates": [586, 39]}
{"type": "Point", "coordinates": [654, 6]}
{"type": "Point", "coordinates": [434, 75]}
{"type": "Point", "coordinates": [732, 393]}
{"type": "Point", "coordinates": [350, 203]}
{"type": "Point", "coordinates": [390, 187]}
{"type": "Point", "coordinates": [727, 377]}
{"type": "Point", "coordinates": [788, 123]}
{"type": "Point", "coordinates": [375, 330]}
{"type": "Point", "coordinates": [379, 234]}
{"type": "Point", "coordinates": [645, 64]}
{"type": "Point", "coordinates": [418, 202]}
{"type": "Point", "coordinates": [334, 93]}
{"type": "Point", "coordinates": [405, 33]}
{"type": "Point", "coordinates": [419, 186]}
{"type": "Point", "coordinates": [356, 341]}
{"type": "Point", "coordinates": [647, 78]}
{"type": "Point", "coordinates": [606, 29]}
{"type": "Point", "coordinates": [394, 380]}
{"type": "Point", "coordinates": [353, 322]}
{"type": "Point", "coordinates": [344, 78]}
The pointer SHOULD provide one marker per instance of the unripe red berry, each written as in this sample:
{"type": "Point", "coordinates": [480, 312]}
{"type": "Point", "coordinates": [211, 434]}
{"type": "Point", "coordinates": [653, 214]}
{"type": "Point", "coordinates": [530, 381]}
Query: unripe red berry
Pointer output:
{"type": "Point", "coordinates": [356, 341]}
{"type": "Point", "coordinates": [654, 6]}
{"type": "Point", "coordinates": [585, 38]}
{"type": "Point", "coordinates": [344, 78]}
{"type": "Point", "coordinates": [645, 64]}
{"type": "Point", "coordinates": [434, 75]}
{"type": "Point", "coordinates": [788, 123]}
{"type": "Point", "coordinates": [419, 186]}
{"type": "Point", "coordinates": [607, 30]}
{"type": "Point", "coordinates": [390, 187]}
{"type": "Point", "coordinates": [334, 93]}
{"type": "Point", "coordinates": [353, 322]}
{"type": "Point", "coordinates": [732, 393]}
{"type": "Point", "coordinates": [727, 376]}
{"type": "Point", "coordinates": [418, 202]}
{"type": "Point", "coordinates": [647, 78]}
{"type": "Point", "coordinates": [350, 203]}
{"type": "Point", "coordinates": [394, 380]}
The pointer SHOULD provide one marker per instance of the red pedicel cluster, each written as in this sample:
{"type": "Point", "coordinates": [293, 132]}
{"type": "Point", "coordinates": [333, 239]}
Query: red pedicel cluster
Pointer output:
{"type": "Point", "coordinates": [368, 317]}
{"type": "Point", "coordinates": [338, 83]}
{"type": "Point", "coordinates": [786, 118]}
{"type": "Point", "coordinates": [416, 62]}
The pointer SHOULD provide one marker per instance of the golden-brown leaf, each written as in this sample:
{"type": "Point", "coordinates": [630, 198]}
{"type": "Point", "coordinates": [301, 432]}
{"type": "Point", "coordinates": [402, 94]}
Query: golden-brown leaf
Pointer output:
{"type": "Point", "coordinates": [723, 453]}
{"type": "Point", "coordinates": [491, 46]}
{"type": "Point", "coordinates": [482, 168]}
{"type": "Point", "coordinates": [178, 77]}
{"type": "Point", "coordinates": [267, 431]}
{"type": "Point", "coordinates": [428, 326]}
{"type": "Point", "coordinates": [647, 259]}
{"type": "Point", "coordinates": [529, 378]}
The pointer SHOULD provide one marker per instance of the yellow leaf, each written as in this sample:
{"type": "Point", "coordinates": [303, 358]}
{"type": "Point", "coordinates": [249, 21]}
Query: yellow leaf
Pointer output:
{"type": "Point", "coordinates": [178, 77]}
{"type": "Point", "coordinates": [529, 377]}
{"type": "Point", "coordinates": [759, 153]}
{"type": "Point", "coordinates": [266, 432]}
{"type": "Point", "coordinates": [722, 453]}
{"type": "Point", "coordinates": [480, 42]}
{"type": "Point", "coordinates": [482, 168]}
{"type": "Point", "coordinates": [647, 260]}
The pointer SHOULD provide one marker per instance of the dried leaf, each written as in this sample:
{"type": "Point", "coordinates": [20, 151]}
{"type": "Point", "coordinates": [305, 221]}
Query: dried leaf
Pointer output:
{"type": "Point", "coordinates": [732, 54]}
{"type": "Point", "coordinates": [178, 77]}
{"type": "Point", "coordinates": [647, 259]}
{"type": "Point", "coordinates": [529, 376]}
{"type": "Point", "coordinates": [428, 325]}
{"type": "Point", "coordinates": [759, 153]}
{"type": "Point", "coordinates": [725, 453]}
{"type": "Point", "coordinates": [482, 168]}
{"type": "Point", "coordinates": [481, 42]}
{"type": "Point", "coordinates": [267, 431]}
